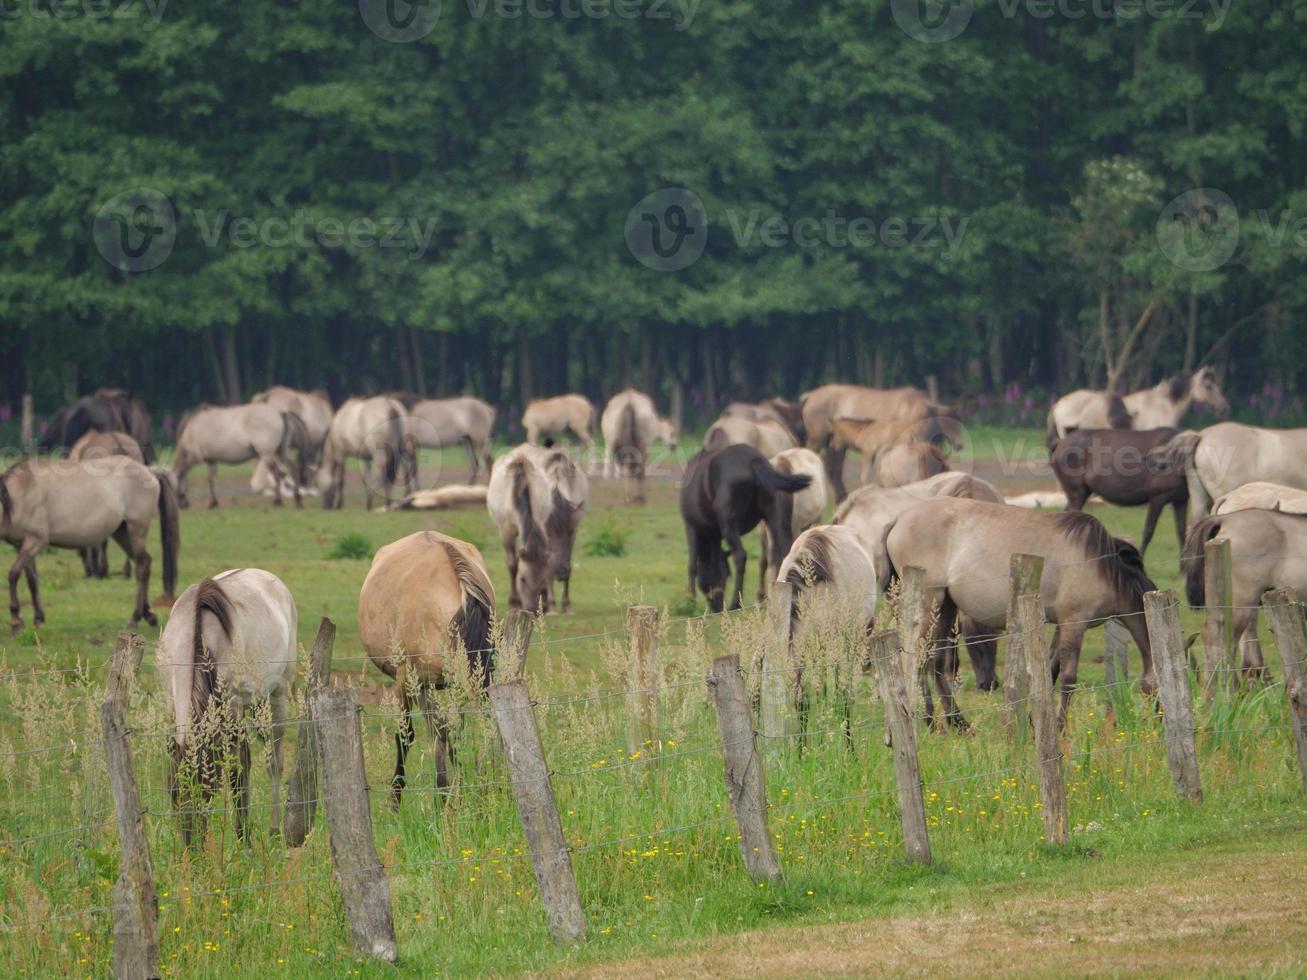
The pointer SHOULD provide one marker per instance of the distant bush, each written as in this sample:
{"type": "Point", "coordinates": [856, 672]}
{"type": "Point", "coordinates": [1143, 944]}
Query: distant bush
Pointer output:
{"type": "Point", "coordinates": [684, 608]}
{"type": "Point", "coordinates": [607, 542]}
{"type": "Point", "coordinates": [351, 546]}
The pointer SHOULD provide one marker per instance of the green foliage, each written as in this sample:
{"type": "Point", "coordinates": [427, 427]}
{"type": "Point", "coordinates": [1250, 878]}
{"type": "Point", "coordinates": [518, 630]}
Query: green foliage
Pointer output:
{"type": "Point", "coordinates": [351, 546]}
{"type": "Point", "coordinates": [607, 541]}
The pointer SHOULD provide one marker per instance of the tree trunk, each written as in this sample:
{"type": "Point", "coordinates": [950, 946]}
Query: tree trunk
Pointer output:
{"type": "Point", "coordinates": [211, 348]}
{"type": "Point", "coordinates": [419, 369]}
{"type": "Point", "coordinates": [231, 366]}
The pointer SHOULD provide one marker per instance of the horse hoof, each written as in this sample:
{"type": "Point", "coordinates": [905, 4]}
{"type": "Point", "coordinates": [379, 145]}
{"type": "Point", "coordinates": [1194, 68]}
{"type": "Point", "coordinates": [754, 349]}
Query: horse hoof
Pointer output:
{"type": "Point", "coordinates": [1148, 684]}
{"type": "Point", "coordinates": [15, 627]}
{"type": "Point", "coordinates": [152, 619]}
{"type": "Point", "coordinates": [213, 505]}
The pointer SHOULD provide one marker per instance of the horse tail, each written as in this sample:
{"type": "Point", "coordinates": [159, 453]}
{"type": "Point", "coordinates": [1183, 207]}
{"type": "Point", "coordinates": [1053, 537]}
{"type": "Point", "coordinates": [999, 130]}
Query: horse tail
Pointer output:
{"type": "Point", "coordinates": [1051, 436]}
{"type": "Point", "coordinates": [394, 444]}
{"type": "Point", "coordinates": [1193, 559]}
{"type": "Point", "coordinates": [626, 441]}
{"type": "Point", "coordinates": [887, 575]}
{"type": "Point", "coordinates": [1118, 416]}
{"type": "Point", "coordinates": [169, 529]}
{"type": "Point", "coordinates": [533, 538]}
{"type": "Point", "coordinates": [812, 563]}
{"type": "Point", "coordinates": [1176, 455]}
{"type": "Point", "coordinates": [773, 479]}
{"type": "Point", "coordinates": [470, 626]}
{"type": "Point", "coordinates": [296, 436]}
{"type": "Point", "coordinates": [210, 598]}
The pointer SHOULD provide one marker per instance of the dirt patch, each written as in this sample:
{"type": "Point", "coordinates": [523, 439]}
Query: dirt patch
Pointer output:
{"type": "Point", "coordinates": [1208, 913]}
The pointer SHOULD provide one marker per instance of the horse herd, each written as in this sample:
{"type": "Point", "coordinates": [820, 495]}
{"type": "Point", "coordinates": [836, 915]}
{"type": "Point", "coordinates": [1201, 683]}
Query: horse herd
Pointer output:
{"type": "Point", "coordinates": [774, 464]}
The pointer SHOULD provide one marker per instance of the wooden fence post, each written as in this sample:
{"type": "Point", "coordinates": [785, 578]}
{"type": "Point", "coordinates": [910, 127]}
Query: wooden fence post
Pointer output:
{"type": "Point", "coordinates": [911, 621]}
{"type": "Point", "coordinates": [27, 425]}
{"type": "Point", "coordinates": [510, 659]}
{"type": "Point", "coordinates": [1024, 575]}
{"type": "Point", "coordinates": [135, 905]}
{"type": "Point", "coordinates": [1218, 629]}
{"type": "Point", "coordinates": [363, 885]}
{"type": "Point", "coordinates": [903, 731]}
{"type": "Point", "coordinates": [534, 793]}
{"type": "Point", "coordinates": [1291, 636]}
{"type": "Point", "coordinates": [302, 797]}
{"type": "Point", "coordinates": [776, 713]}
{"type": "Point", "coordinates": [1172, 667]}
{"type": "Point", "coordinates": [1031, 635]}
{"type": "Point", "coordinates": [743, 768]}
{"type": "Point", "coordinates": [643, 676]}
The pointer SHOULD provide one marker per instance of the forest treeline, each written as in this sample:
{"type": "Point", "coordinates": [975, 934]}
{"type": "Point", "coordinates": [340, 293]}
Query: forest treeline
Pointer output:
{"type": "Point", "coordinates": [199, 199]}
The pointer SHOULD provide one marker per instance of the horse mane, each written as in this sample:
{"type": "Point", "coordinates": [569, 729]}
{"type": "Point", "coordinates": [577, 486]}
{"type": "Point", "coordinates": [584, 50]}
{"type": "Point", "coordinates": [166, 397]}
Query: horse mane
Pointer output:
{"type": "Point", "coordinates": [471, 624]}
{"type": "Point", "coordinates": [210, 597]}
{"type": "Point", "coordinates": [1178, 386]}
{"type": "Point", "coordinates": [6, 501]}
{"type": "Point", "coordinates": [813, 565]}
{"type": "Point", "coordinates": [533, 539]}
{"type": "Point", "coordinates": [1119, 561]}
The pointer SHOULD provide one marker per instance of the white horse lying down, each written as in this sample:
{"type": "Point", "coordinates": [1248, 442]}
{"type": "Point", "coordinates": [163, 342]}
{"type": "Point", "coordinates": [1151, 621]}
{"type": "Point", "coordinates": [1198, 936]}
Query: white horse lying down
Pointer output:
{"type": "Point", "coordinates": [449, 497]}
{"type": "Point", "coordinates": [231, 636]}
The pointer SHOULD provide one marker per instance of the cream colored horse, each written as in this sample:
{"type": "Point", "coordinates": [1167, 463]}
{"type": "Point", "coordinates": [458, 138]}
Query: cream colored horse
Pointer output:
{"type": "Point", "coordinates": [232, 636]}
{"type": "Point", "coordinates": [104, 445]}
{"type": "Point", "coordinates": [807, 506]}
{"type": "Point", "coordinates": [630, 425]}
{"type": "Point", "coordinates": [468, 422]}
{"type": "Point", "coordinates": [520, 500]}
{"type": "Point", "coordinates": [767, 436]}
{"type": "Point", "coordinates": [890, 448]}
{"type": "Point", "coordinates": [548, 418]}
{"type": "Point", "coordinates": [1161, 407]}
{"type": "Point", "coordinates": [232, 434]}
{"type": "Point", "coordinates": [79, 504]}
{"type": "Point", "coordinates": [1262, 496]}
{"type": "Point", "coordinates": [570, 493]}
{"type": "Point", "coordinates": [427, 598]}
{"type": "Point", "coordinates": [829, 565]}
{"type": "Point", "coordinates": [313, 408]}
{"type": "Point", "coordinates": [903, 464]}
{"type": "Point", "coordinates": [373, 430]}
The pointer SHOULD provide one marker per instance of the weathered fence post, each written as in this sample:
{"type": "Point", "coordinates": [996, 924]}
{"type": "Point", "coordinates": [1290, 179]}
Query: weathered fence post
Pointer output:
{"type": "Point", "coordinates": [912, 624]}
{"type": "Point", "coordinates": [1030, 634]}
{"type": "Point", "coordinates": [743, 768]}
{"type": "Point", "coordinates": [550, 855]}
{"type": "Point", "coordinates": [1116, 652]}
{"type": "Point", "coordinates": [777, 706]}
{"type": "Point", "coordinates": [510, 659]}
{"type": "Point", "coordinates": [1286, 617]}
{"type": "Point", "coordinates": [1024, 575]}
{"type": "Point", "coordinates": [1218, 629]}
{"type": "Point", "coordinates": [363, 885]}
{"type": "Point", "coordinates": [642, 680]}
{"type": "Point", "coordinates": [899, 714]}
{"type": "Point", "coordinates": [302, 797]}
{"type": "Point", "coordinates": [135, 905]}
{"type": "Point", "coordinates": [27, 425]}
{"type": "Point", "coordinates": [1172, 667]}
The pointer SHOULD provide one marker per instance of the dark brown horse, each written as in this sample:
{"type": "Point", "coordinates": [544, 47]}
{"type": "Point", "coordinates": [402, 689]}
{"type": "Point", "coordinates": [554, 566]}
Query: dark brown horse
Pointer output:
{"type": "Point", "coordinates": [1114, 464]}
{"type": "Point", "coordinates": [726, 493]}
{"type": "Point", "coordinates": [108, 410]}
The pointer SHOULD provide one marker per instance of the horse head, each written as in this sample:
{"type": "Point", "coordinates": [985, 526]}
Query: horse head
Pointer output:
{"type": "Point", "coordinates": [1206, 391]}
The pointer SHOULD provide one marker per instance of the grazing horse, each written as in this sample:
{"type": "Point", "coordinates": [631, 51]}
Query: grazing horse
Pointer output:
{"type": "Point", "coordinates": [427, 598]}
{"type": "Point", "coordinates": [808, 505]}
{"type": "Point", "coordinates": [313, 408]}
{"type": "Point", "coordinates": [520, 500]}
{"type": "Point", "coordinates": [630, 424]}
{"type": "Point", "coordinates": [768, 436]}
{"type": "Point", "coordinates": [1160, 407]}
{"type": "Point", "coordinates": [103, 445]}
{"type": "Point", "coordinates": [372, 430]}
{"type": "Point", "coordinates": [871, 511]}
{"type": "Point", "coordinates": [108, 410]}
{"type": "Point", "coordinates": [787, 413]}
{"type": "Point", "coordinates": [231, 637]}
{"type": "Point", "coordinates": [830, 564]}
{"type": "Point", "coordinates": [965, 548]}
{"type": "Point", "coordinates": [726, 493]}
{"type": "Point", "coordinates": [231, 434]}
{"type": "Point", "coordinates": [1114, 463]}
{"type": "Point", "coordinates": [1268, 550]}
{"type": "Point", "coordinates": [569, 493]}
{"type": "Point", "coordinates": [909, 463]}
{"type": "Point", "coordinates": [874, 439]}
{"type": "Point", "coordinates": [1221, 458]}
{"type": "Point", "coordinates": [77, 504]}
{"type": "Point", "coordinates": [468, 422]}
{"type": "Point", "coordinates": [547, 418]}
{"type": "Point", "coordinates": [1262, 496]}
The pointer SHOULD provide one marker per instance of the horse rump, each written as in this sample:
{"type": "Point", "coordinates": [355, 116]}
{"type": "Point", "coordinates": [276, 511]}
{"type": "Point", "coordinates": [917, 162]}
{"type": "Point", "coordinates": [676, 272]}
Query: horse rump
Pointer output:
{"type": "Point", "coordinates": [1193, 559]}
{"type": "Point", "coordinates": [471, 625]}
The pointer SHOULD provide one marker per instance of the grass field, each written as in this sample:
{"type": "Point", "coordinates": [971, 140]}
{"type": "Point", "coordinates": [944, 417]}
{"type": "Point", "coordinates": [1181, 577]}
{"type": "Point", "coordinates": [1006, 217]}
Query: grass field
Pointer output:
{"type": "Point", "coordinates": [654, 846]}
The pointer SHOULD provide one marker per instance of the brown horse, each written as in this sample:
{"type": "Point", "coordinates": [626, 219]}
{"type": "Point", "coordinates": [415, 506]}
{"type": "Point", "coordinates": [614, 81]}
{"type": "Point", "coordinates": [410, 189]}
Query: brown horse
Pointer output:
{"type": "Point", "coordinates": [427, 599]}
{"type": "Point", "coordinates": [108, 410]}
{"type": "Point", "coordinates": [966, 547]}
{"type": "Point", "coordinates": [101, 445]}
{"type": "Point", "coordinates": [520, 499]}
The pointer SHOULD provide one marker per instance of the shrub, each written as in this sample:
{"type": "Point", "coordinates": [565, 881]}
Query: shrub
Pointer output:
{"type": "Point", "coordinates": [607, 542]}
{"type": "Point", "coordinates": [351, 546]}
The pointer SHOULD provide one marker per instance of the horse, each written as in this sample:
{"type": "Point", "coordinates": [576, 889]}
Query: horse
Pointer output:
{"type": "Point", "coordinates": [1259, 495]}
{"type": "Point", "coordinates": [232, 434]}
{"type": "Point", "coordinates": [103, 445]}
{"type": "Point", "coordinates": [372, 430]}
{"type": "Point", "coordinates": [569, 493]}
{"type": "Point", "coordinates": [108, 410]}
{"type": "Point", "coordinates": [230, 637]}
{"type": "Point", "coordinates": [452, 496]}
{"type": "Point", "coordinates": [807, 507]}
{"type": "Point", "coordinates": [726, 493]}
{"type": "Point", "coordinates": [965, 548]}
{"type": "Point", "coordinates": [872, 439]}
{"type": "Point", "coordinates": [466, 421]}
{"type": "Point", "coordinates": [830, 565]}
{"type": "Point", "coordinates": [909, 463]}
{"type": "Point", "coordinates": [822, 406]}
{"type": "Point", "coordinates": [1220, 459]}
{"type": "Point", "coordinates": [871, 511]}
{"type": "Point", "coordinates": [768, 436]}
{"type": "Point", "coordinates": [77, 504]}
{"type": "Point", "coordinates": [313, 408]}
{"type": "Point", "coordinates": [547, 418]}
{"type": "Point", "coordinates": [1114, 463]}
{"type": "Point", "coordinates": [630, 425]}
{"type": "Point", "coordinates": [427, 598]}
{"type": "Point", "coordinates": [1160, 407]}
{"type": "Point", "coordinates": [787, 413]}
{"type": "Point", "coordinates": [1268, 550]}
{"type": "Point", "coordinates": [520, 500]}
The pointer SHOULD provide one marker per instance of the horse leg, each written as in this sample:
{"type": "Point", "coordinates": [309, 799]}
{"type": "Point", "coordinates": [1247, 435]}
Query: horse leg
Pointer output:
{"type": "Point", "coordinates": [274, 469]}
{"type": "Point", "coordinates": [510, 559]}
{"type": "Point", "coordinates": [567, 593]}
{"type": "Point", "coordinates": [26, 557]}
{"type": "Point", "coordinates": [34, 587]}
{"type": "Point", "coordinates": [1181, 516]}
{"type": "Point", "coordinates": [293, 474]}
{"type": "Point", "coordinates": [835, 471]}
{"type": "Point", "coordinates": [403, 742]}
{"type": "Point", "coordinates": [762, 564]}
{"type": "Point", "coordinates": [1068, 659]}
{"type": "Point", "coordinates": [367, 484]}
{"type": "Point", "coordinates": [1252, 665]}
{"type": "Point", "coordinates": [692, 545]}
{"type": "Point", "coordinates": [240, 786]}
{"type": "Point", "coordinates": [740, 558]}
{"type": "Point", "coordinates": [982, 650]}
{"type": "Point", "coordinates": [277, 702]}
{"type": "Point", "coordinates": [134, 544]}
{"type": "Point", "coordinates": [944, 656]}
{"type": "Point", "coordinates": [471, 458]}
{"type": "Point", "coordinates": [1155, 506]}
{"type": "Point", "coordinates": [213, 486]}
